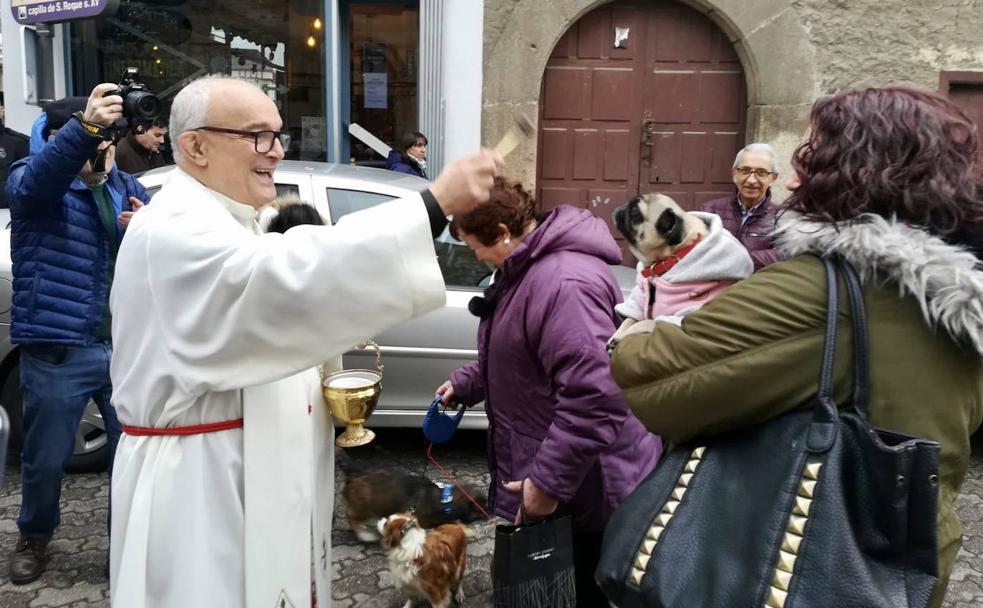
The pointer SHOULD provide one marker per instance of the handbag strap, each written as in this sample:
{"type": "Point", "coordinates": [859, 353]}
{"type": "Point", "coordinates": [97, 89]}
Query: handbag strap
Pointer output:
{"type": "Point", "coordinates": [522, 502]}
{"type": "Point", "coordinates": [822, 432]}
{"type": "Point", "coordinates": [861, 338]}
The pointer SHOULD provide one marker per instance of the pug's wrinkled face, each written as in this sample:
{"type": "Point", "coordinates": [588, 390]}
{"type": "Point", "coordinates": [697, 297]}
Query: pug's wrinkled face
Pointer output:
{"type": "Point", "coordinates": [653, 224]}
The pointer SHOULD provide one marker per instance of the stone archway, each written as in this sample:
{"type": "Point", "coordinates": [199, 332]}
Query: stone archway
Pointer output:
{"type": "Point", "coordinates": [768, 36]}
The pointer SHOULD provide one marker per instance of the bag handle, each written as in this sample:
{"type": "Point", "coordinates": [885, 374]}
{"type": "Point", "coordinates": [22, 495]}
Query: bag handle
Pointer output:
{"type": "Point", "coordinates": [825, 392]}
{"type": "Point", "coordinates": [822, 431]}
{"type": "Point", "coordinates": [861, 340]}
{"type": "Point", "coordinates": [522, 502]}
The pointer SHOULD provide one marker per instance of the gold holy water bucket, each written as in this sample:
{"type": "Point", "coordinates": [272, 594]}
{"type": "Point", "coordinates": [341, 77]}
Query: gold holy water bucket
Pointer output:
{"type": "Point", "coordinates": [352, 395]}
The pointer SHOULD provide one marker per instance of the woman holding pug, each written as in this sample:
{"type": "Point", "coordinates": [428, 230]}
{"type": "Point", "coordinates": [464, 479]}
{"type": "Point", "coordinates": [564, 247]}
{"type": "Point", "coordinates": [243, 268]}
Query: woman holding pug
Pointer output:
{"type": "Point", "coordinates": [559, 429]}
{"type": "Point", "coordinates": [885, 180]}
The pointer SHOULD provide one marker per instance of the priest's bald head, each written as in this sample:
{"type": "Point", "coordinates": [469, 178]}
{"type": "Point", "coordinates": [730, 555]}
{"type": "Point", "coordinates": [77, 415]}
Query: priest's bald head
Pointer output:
{"type": "Point", "coordinates": [227, 136]}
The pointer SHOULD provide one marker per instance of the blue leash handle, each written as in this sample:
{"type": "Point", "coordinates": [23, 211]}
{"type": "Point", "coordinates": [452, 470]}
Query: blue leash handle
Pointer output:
{"type": "Point", "coordinates": [438, 427]}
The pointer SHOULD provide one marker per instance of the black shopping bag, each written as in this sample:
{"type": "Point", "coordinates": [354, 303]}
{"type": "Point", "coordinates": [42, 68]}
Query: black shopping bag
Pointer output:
{"type": "Point", "coordinates": [533, 565]}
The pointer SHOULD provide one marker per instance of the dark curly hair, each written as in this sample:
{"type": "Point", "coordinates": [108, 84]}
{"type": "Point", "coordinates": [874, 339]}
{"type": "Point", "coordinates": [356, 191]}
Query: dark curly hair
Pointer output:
{"type": "Point", "coordinates": [509, 204]}
{"type": "Point", "coordinates": [895, 152]}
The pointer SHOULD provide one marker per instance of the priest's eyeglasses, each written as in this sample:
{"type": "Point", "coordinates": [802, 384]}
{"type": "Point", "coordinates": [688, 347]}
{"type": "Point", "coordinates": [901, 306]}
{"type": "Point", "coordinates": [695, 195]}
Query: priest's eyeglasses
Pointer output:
{"type": "Point", "coordinates": [262, 140]}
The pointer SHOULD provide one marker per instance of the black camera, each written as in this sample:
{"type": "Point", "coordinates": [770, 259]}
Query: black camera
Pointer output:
{"type": "Point", "coordinates": [139, 104]}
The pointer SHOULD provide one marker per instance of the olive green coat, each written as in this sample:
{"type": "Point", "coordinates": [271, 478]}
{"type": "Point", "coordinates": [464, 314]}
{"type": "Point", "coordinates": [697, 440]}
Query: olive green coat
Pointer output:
{"type": "Point", "coordinates": [754, 351]}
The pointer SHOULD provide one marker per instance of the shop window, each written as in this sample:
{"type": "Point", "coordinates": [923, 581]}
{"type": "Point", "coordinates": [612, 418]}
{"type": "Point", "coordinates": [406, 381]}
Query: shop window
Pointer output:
{"type": "Point", "coordinates": [383, 52]}
{"type": "Point", "coordinates": [276, 44]}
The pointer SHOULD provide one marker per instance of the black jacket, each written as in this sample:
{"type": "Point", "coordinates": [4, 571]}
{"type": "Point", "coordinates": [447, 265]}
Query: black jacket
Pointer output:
{"type": "Point", "coordinates": [13, 147]}
{"type": "Point", "coordinates": [134, 159]}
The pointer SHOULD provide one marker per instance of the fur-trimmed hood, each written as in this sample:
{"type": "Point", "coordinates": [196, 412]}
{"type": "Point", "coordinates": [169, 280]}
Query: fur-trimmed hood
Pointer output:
{"type": "Point", "coordinates": [945, 279]}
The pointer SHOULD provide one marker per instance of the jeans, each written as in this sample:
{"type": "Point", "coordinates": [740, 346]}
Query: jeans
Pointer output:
{"type": "Point", "coordinates": [56, 383]}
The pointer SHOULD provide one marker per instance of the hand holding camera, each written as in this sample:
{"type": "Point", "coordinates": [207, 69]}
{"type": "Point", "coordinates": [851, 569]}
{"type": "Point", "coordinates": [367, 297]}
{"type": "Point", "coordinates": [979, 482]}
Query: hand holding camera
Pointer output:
{"type": "Point", "coordinates": [129, 101]}
{"type": "Point", "coordinates": [104, 107]}
{"type": "Point", "coordinates": [139, 104]}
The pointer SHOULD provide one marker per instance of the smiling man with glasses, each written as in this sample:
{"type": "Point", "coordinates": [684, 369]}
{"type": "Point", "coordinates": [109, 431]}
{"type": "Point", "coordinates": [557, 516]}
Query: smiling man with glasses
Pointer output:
{"type": "Point", "coordinates": [224, 491]}
{"type": "Point", "coordinates": [749, 214]}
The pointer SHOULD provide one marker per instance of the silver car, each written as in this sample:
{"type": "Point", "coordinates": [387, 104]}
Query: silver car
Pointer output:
{"type": "Point", "coordinates": [418, 355]}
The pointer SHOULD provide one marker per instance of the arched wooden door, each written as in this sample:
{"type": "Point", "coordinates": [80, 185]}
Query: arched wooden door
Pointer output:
{"type": "Point", "coordinates": [639, 97]}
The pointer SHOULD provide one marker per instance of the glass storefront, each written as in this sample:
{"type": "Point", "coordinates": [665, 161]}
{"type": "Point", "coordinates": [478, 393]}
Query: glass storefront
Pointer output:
{"type": "Point", "coordinates": [383, 52]}
{"type": "Point", "coordinates": [277, 44]}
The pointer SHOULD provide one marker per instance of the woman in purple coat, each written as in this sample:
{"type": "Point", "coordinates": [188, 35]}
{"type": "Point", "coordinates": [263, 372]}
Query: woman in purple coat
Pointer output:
{"type": "Point", "coordinates": [556, 419]}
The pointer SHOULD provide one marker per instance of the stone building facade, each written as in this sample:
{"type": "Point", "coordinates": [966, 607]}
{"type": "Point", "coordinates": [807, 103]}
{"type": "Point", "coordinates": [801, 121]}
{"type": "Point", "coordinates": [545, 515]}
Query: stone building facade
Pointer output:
{"type": "Point", "coordinates": [791, 53]}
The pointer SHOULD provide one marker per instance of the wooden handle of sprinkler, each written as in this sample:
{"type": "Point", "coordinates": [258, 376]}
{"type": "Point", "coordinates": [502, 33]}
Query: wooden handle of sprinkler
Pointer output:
{"type": "Point", "coordinates": [521, 128]}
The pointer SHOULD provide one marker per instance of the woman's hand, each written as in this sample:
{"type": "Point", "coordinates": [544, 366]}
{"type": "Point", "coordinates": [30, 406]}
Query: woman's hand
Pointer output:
{"type": "Point", "coordinates": [445, 391]}
{"type": "Point", "coordinates": [537, 504]}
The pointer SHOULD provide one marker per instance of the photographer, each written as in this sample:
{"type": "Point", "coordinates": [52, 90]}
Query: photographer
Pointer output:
{"type": "Point", "coordinates": [139, 152]}
{"type": "Point", "coordinates": [69, 207]}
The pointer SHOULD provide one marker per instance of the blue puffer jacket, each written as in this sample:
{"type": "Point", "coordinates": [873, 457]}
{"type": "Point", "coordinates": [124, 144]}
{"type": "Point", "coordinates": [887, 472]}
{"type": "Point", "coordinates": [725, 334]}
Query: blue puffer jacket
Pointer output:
{"type": "Point", "coordinates": [58, 244]}
{"type": "Point", "coordinates": [396, 162]}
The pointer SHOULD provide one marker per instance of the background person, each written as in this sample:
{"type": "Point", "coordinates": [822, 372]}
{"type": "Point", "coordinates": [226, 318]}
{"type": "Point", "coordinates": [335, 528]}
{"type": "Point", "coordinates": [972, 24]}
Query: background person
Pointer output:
{"type": "Point", "coordinates": [224, 480]}
{"type": "Point", "coordinates": [749, 213]}
{"type": "Point", "coordinates": [555, 417]}
{"type": "Point", "coordinates": [67, 202]}
{"type": "Point", "coordinates": [410, 156]}
{"type": "Point", "coordinates": [884, 180]}
{"type": "Point", "coordinates": [139, 152]}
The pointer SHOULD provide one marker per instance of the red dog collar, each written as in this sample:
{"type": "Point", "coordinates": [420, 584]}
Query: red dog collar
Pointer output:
{"type": "Point", "coordinates": [663, 266]}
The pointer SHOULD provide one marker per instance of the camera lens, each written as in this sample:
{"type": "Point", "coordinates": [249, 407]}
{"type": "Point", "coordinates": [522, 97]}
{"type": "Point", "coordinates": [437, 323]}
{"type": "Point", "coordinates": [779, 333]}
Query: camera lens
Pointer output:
{"type": "Point", "coordinates": [142, 104]}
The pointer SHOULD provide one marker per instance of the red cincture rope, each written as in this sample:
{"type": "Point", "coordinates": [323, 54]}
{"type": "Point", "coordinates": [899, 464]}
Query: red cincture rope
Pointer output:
{"type": "Point", "coordinates": [455, 482]}
{"type": "Point", "coordinates": [194, 429]}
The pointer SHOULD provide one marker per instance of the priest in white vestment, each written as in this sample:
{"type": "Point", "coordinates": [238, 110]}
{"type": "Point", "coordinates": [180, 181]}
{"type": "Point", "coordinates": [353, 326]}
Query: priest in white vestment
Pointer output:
{"type": "Point", "coordinates": [222, 491]}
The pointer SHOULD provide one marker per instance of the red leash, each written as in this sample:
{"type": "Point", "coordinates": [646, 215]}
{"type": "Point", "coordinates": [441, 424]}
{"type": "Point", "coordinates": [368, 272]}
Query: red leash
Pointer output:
{"type": "Point", "coordinates": [455, 482]}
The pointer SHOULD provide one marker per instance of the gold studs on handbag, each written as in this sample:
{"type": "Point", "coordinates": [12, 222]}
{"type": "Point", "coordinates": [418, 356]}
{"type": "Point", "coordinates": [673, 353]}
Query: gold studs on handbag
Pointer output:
{"type": "Point", "coordinates": [658, 525]}
{"type": "Point", "coordinates": [794, 533]}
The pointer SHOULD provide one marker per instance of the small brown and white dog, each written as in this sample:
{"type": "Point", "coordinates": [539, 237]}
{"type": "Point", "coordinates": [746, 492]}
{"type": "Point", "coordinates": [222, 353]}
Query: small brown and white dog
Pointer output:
{"type": "Point", "coordinates": [425, 565]}
{"type": "Point", "coordinates": [684, 260]}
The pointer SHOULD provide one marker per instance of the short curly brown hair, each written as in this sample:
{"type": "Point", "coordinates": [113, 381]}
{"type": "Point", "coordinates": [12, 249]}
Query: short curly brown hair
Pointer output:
{"type": "Point", "coordinates": [509, 204]}
{"type": "Point", "coordinates": [895, 152]}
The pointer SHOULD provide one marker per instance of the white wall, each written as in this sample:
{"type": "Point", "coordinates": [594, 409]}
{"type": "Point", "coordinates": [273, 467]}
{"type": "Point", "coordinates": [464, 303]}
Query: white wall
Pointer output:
{"type": "Point", "coordinates": [20, 115]}
{"type": "Point", "coordinates": [462, 77]}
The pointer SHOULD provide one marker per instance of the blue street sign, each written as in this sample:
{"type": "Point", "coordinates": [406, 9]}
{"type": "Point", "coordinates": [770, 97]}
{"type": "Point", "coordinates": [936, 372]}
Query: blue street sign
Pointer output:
{"type": "Point", "coordinates": [28, 12]}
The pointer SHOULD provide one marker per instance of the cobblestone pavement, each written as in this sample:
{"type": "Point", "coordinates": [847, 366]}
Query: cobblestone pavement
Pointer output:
{"type": "Point", "coordinates": [75, 576]}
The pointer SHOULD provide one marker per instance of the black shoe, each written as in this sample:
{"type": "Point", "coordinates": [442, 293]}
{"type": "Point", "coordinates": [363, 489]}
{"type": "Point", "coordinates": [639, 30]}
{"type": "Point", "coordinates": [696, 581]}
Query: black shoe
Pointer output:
{"type": "Point", "coordinates": [28, 560]}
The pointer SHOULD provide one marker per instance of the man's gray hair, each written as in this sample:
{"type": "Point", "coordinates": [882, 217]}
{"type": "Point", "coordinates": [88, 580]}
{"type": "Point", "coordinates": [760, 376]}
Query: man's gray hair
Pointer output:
{"type": "Point", "coordinates": [189, 110]}
{"type": "Point", "coordinates": [755, 147]}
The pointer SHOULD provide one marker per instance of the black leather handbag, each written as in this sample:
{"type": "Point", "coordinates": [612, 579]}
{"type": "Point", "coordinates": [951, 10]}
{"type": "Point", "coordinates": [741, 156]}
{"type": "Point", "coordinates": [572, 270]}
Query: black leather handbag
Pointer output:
{"type": "Point", "coordinates": [812, 508]}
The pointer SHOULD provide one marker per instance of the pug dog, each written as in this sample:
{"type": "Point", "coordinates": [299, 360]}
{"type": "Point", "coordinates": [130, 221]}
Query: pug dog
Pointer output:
{"type": "Point", "coordinates": [685, 258]}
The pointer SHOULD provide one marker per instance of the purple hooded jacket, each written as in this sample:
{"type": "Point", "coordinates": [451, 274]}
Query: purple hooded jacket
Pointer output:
{"type": "Point", "coordinates": [555, 414]}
